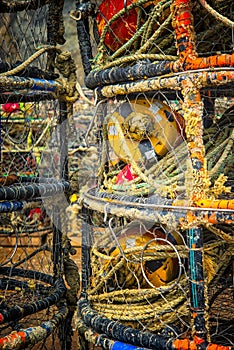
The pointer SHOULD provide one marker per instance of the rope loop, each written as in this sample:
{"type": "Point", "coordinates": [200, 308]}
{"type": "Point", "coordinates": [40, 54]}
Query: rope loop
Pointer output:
{"type": "Point", "coordinates": [83, 11]}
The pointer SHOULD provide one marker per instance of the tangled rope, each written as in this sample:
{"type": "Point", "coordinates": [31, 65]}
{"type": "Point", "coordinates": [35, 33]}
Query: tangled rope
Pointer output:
{"type": "Point", "coordinates": [167, 176]}
{"type": "Point", "coordinates": [136, 302]}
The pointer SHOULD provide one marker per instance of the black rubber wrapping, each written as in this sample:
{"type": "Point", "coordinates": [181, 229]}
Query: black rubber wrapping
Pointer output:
{"type": "Point", "coordinates": [84, 43]}
{"type": "Point", "coordinates": [141, 70]}
{"type": "Point", "coordinates": [19, 311]}
{"type": "Point", "coordinates": [86, 244]}
{"type": "Point", "coordinates": [31, 274]}
{"type": "Point", "coordinates": [28, 72]}
{"type": "Point", "coordinates": [83, 7]}
{"type": "Point", "coordinates": [11, 284]}
{"type": "Point", "coordinates": [120, 332]}
{"type": "Point", "coordinates": [33, 190]}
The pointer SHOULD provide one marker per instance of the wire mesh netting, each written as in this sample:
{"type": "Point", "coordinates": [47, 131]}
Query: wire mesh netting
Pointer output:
{"type": "Point", "coordinates": [157, 215]}
{"type": "Point", "coordinates": [34, 249]}
{"type": "Point", "coordinates": [157, 234]}
{"type": "Point", "coordinates": [140, 278]}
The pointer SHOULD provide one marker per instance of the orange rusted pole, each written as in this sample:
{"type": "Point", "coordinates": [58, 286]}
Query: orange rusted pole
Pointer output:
{"type": "Point", "coordinates": [196, 175]}
{"type": "Point", "coordinates": [193, 107]}
{"type": "Point", "coordinates": [182, 22]}
{"type": "Point", "coordinates": [196, 179]}
{"type": "Point", "coordinates": [216, 61]}
{"type": "Point", "coordinates": [186, 42]}
{"type": "Point", "coordinates": [216, 203]}
{"type": "Point", "coordinates": [225, 204]}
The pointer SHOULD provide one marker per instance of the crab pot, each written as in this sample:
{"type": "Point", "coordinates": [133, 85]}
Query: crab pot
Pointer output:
{"type": "Point", "coordinates": [158, 224]}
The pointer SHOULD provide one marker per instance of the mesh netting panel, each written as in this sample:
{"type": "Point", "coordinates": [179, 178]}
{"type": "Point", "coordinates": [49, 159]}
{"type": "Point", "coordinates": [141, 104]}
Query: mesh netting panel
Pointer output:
{"type": "Point", "coordinates": [23, 31]}
{"type": "Point", "coordinates": [33, 176]}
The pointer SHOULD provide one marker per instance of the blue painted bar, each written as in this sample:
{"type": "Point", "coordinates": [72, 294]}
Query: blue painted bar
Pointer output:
{"type": "Point", "coordinates": [45, 85]}
{"type": "Point", "coordinates": [33, 84]}
{"type": "Point", "coordinates": [7, 207]}
{"type": "Point", "coordinates": [196, 280]}
{"type": "Point", "coordinates": [123, 346]}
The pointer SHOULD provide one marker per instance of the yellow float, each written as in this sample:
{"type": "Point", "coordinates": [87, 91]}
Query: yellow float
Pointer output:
{"type": "Point", "coordinates": [144, 130]}
{"type": "Point", "coordinates": [158, 271]}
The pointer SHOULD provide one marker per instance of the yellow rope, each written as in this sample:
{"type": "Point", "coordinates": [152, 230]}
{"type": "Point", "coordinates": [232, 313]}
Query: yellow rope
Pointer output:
{"type": "Point", "coordinates": [228, 148]}
{"type": "Point", "coordinates": [28, 61]}
{"type": "Point", "coordinates": [136, 57]}
{"type": "Point", "coordinates": [155, 35]}
{"type": "Point", "coordinates": [217, 15]}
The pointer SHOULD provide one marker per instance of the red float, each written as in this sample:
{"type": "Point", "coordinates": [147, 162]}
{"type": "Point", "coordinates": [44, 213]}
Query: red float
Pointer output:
{"type": "Point", "coordinates": [120, 30]}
